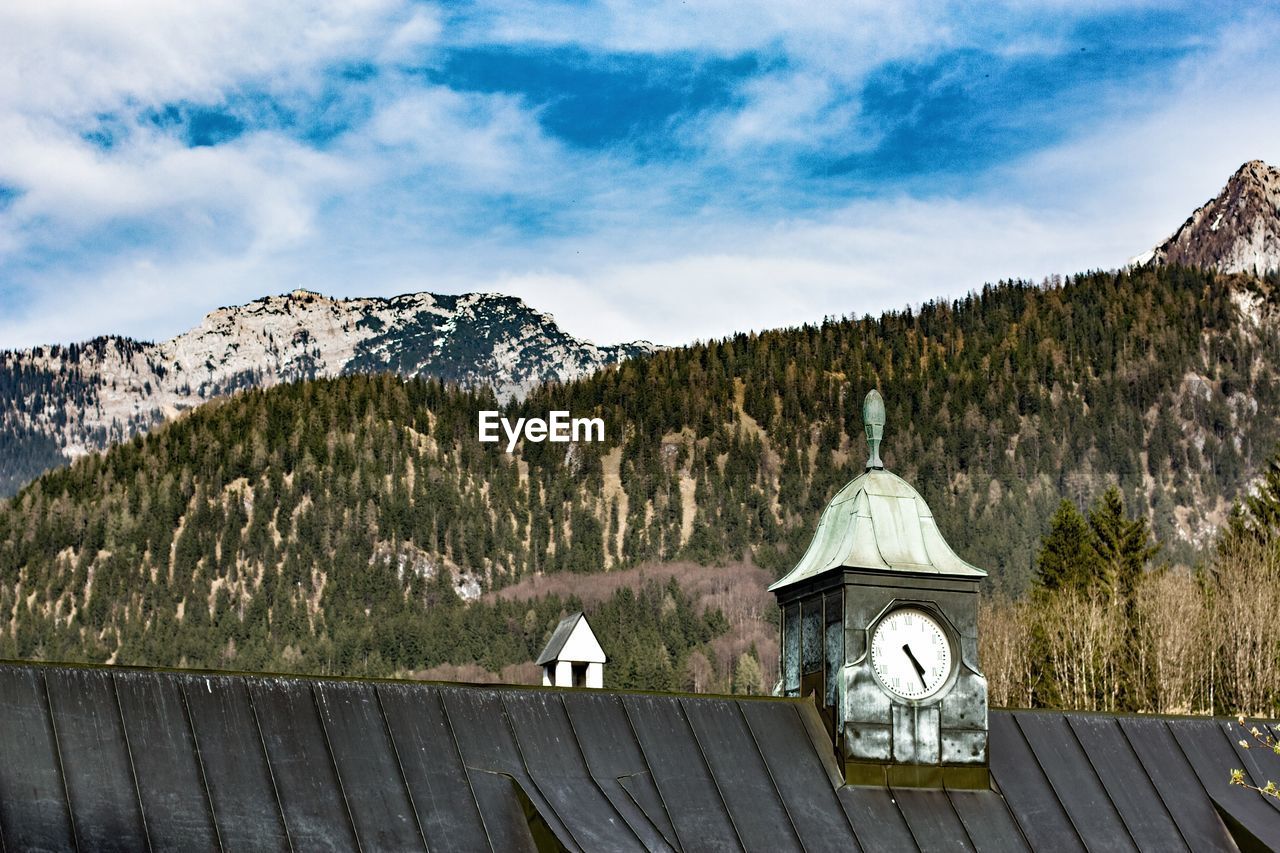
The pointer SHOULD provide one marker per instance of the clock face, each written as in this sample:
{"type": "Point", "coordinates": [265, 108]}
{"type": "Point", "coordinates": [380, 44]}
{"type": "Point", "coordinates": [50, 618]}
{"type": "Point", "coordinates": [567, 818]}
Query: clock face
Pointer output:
{"type": "Point", "coordinates": [911, 654]}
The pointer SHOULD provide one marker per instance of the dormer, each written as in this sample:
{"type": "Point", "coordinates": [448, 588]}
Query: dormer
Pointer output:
{"type": "Point", "coordinates": [573, 657]}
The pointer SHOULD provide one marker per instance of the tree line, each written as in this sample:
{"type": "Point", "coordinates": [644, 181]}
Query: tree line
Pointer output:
{"type": "Point", "coordinates": [1108, 627]}
{"type": "Point", "coordinates": [319, 525]}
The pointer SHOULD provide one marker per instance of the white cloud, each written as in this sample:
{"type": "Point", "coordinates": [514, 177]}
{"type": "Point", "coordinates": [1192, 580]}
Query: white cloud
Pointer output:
{"type": "Point", "coordinates": [631, 248]}
{"type": "Point", "coordinates": [482, 140]}
{"type": "Point", "coordinates": [866, 258]}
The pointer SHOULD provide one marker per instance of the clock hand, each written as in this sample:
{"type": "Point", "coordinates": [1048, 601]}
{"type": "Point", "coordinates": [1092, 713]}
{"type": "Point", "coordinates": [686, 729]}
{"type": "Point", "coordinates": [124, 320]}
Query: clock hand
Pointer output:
{"type": "Point", "coordinates": [919, 669]}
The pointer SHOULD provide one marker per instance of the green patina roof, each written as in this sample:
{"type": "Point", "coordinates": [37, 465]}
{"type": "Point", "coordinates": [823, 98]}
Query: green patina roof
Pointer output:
{"type": "Point", "coordinates": [878, 522]}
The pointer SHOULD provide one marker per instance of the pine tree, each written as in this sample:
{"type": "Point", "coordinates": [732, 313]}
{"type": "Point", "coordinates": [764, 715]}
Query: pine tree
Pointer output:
{"type": "Point", "coordinates": [1258, 515]}
{"type": "Point", "coordinates": [1123, 545]}
{"type": "Point", "coordinates": [1068, 558]}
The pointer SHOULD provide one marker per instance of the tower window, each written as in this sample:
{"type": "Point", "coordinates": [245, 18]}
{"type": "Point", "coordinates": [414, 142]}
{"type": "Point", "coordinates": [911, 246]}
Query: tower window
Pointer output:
{"type": "Point", "coordinates": [812, 628]}
{"type": "Point", "coordinates": [791, 650]}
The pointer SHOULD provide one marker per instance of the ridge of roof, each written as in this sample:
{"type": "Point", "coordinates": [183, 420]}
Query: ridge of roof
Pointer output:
{"type": "Point", "coordinates": [559, 637]}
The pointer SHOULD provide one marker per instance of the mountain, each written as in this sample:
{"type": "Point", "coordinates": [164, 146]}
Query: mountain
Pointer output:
{"type": "Point", "coordinates": [59, 402]}
{"type": "Point", "coordinates": [1236, 231]}
{"type": "Point", "coordinates": [338, 525]}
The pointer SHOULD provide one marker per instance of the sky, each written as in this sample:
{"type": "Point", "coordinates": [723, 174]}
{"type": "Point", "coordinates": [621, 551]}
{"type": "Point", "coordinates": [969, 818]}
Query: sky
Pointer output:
{"type": "Point", "coordinates": [667, 171]}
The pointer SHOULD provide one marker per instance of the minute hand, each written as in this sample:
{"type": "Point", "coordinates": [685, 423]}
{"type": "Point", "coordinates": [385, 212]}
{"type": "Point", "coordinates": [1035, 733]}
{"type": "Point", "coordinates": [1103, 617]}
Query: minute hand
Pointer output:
{"type": "Point", "coordinates": [919, 669]}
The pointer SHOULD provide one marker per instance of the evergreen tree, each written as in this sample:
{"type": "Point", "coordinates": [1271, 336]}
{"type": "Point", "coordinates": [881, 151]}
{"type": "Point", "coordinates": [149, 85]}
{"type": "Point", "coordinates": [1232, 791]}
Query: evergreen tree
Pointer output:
{"type": "Point", "coordinates": [1123, 545]}
{"type": "Point", "coordinates": [1068, 559]}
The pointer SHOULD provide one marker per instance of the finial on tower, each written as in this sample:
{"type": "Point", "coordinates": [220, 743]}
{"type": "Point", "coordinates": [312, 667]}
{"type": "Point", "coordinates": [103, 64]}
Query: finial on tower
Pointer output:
{"type": "Point", "coordinates": [873, 421]}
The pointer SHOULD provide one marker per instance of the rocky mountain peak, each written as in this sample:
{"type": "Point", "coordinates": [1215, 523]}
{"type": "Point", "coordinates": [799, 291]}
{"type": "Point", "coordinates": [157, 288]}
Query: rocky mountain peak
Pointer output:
{"type": "Point", "coordinates": [1236, 231]}
{"type": "Point", "coordinates": [70, 400]}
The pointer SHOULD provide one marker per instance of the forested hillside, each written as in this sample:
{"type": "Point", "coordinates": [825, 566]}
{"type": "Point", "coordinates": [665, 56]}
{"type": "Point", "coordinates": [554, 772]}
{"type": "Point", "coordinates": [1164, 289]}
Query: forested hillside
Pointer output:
{"type": "Point", "coordinates": [60, 402]}
{"type": "Point", "coordinates": [338, 525]}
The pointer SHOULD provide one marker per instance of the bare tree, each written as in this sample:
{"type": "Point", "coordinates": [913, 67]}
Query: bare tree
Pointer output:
{"type": "Point", "coordinates": [1006, 651]}
{"type": "Point", "coordinates": [699, 675]}
{"type": "Point", "coordinates": [1176, 643]}
{"type": "Point", "coordinates": [1244, 606]}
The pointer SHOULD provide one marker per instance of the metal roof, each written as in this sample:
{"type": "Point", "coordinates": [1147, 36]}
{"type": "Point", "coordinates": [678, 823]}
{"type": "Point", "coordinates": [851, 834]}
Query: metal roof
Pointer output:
{"type": "Point", "coordinates": [121, 759]}
{"type": "Point", "coordinates": [878, 522]}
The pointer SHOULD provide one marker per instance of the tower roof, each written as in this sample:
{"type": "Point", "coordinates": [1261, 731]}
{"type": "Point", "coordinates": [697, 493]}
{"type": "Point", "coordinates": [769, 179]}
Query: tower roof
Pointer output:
{"type": "Point", "coordinates": [878, 522]}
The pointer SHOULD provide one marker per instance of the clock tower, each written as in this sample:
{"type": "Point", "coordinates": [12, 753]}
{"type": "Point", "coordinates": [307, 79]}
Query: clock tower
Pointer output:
{"type": "Point", "coordinates": [879, 625]}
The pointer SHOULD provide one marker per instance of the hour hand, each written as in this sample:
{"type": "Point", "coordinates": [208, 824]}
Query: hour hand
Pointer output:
{"type": "Point", "coordinates": [919, 669]}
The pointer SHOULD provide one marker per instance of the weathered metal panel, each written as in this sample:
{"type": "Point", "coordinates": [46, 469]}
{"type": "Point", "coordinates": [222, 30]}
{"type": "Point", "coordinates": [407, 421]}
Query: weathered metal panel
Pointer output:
{"type": "Point", "coordinates": [95, 760]}
{"type": "Point", "coordinates": [1176, 783]}
{"type": "Point", "coordinates": [311, 797]}
{"type": "Point", "coordinates": [1206, 747]}
{"type": "Point", "coordinates": [173, 794]}
{"type": "Point", "coordinates": [505, 816]}
{"type": "Point", "coordinates": [485, 740]}
{"type": "Point", "coordinates": [876, 820]}
{"type": "Point", "coordinates": [697, 810]}
{"type": "Point", "coordinates": [614, 758]}
{"type": "Point", "coordinates": [33, 807]}
{"type": "Point", "coordinates": [1130, 789]}
{"type": "Point", "coordinates": [1074, 780]}
{"type": "Point", "coordinates": [1026, 789]}
{"type": "Point", "coordinates": [1259, 764]}
{"type": "Point", "coordinates": [933, 823]}
{"type": "Point", "coordinates": [438, 783]}
{"type": "Point", "coordinates": [549, 747]}
{"type": "Point", "coordinates": [370, 773]}
{"type": "Point", "coordinates": [916, 735]}
{"type": "Point", "coordinates": [798, 773]}
{"type": "Point", "coordinates": [741, 774]}
{"type": "Point", "coordinates": [245, 807]}
{"type": "Point", "coordinates": [987, 819]}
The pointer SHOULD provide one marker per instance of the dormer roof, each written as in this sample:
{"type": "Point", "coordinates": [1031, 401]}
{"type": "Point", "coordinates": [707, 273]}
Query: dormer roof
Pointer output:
{"type": "Point", "coordinates": [573, 640]}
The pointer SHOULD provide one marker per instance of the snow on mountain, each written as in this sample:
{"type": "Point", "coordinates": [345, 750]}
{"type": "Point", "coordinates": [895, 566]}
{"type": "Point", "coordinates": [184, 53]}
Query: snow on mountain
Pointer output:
{"type": "Point", "coordinates": [64, 401]}
{"type": "Point", "coordinates": [1236, 231]}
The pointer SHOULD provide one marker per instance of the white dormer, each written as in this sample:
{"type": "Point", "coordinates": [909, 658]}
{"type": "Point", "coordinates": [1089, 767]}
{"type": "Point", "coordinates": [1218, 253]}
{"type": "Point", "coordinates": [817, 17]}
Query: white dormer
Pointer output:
{"type": "Point", "coordinates": [573, 657]}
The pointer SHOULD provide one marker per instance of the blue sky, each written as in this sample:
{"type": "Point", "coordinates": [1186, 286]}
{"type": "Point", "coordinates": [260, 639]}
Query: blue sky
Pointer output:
{"type": "Point", "coordinates": [663, 170]}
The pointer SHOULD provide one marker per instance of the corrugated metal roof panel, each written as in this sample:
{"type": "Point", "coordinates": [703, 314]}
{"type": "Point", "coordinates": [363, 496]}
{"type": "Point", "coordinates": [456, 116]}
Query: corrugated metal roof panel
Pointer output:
{"type": "Point", "coordinates": [1207, 748]}
{"type": "Point", "coordinates": [311, 795]}
{"type": "Point", "coordinates": [1074, 780]}
{"type": "Point", "coordinates": [987, 820]}
{"type": "Point", "coordinates": [1176, 783]}
{"type": "Point", "coordinates": [550, 751]}
{"type": "Point", "coordinates": [743, 777]}
{"type": "Point", "coordinates": [1025, 787]}
{"type": "Point", "coordinates": [681, 773]}
{"type": "Point", "coordinates": [245, 806]}
{"type": "Point", "coordinates": [488, 746]}
{"type": "Point", "coordinates": [615, 761]}
{"type": "Point", "coordinates": [934, 823]}
{"type": "Point", "coordinates": [876, 820]}
{"type": "Point", "coordinates": [796, 768]}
